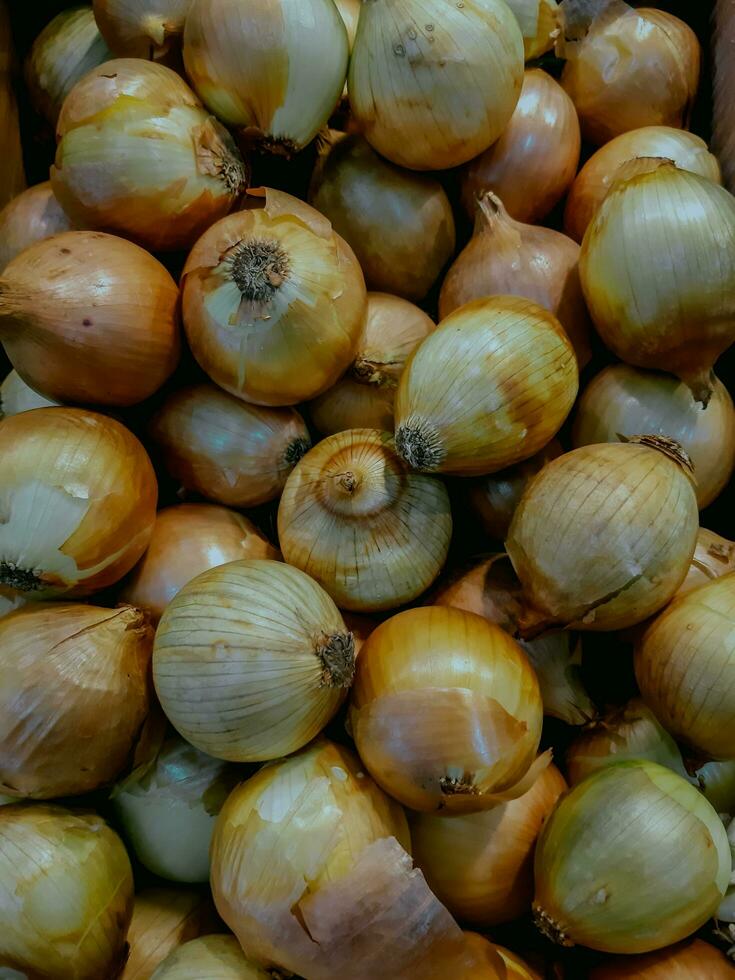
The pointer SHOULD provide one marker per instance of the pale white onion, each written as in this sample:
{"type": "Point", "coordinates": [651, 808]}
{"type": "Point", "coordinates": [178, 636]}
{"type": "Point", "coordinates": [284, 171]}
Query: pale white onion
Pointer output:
{"type": "Point", "coordinates": [714, 556]}
{"type": "Point", "coordinates": [163, 919]}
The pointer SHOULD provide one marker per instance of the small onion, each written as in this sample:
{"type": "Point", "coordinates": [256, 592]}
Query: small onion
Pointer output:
{"type": "Point", "coordinates": [231, 452]}
{"type": "Point", "coordinates": [532, 164]}
{"type": "Point", "coordinates": [385, 213]}
{"type": "Point", "coordinates": [372, 533]}
{"type": "Point", "coordinates": [489, 387]}
{"type": "Point", "coordinates": [717, 782]}
{"type": "Point", "coordinates": [77, 501]}
{"type": "Point", "coordinates": [480, 865]}
{"type": "Point", "coordinates": [163, 919]}
{"type": "Point", "coordinates": [12, 174]}
{"type": "Point", "coordinates": [89, 317]}
{"type": "Point", "coordinates": [432, 84]}
{"type": "Point", "coordinates": [31, 216]}
{"type": "Point", "coordinates": [446, 711]}
{"type": "Point", "coordinates": [17, 397]}
{"type": "Point", "coordinates": [213, 957]}
{"type": "Point", "coordinates": [274, 682]}
{"type": "Point", "coordinates": [273, 301]}
{"type": "Point", "coordinates": [714, 556]}
{"type": "Point", "coordinates": [618, 821]}
{"type": "Point", "coordinates": [66, 893]}
{"type": "Point", "coordinates": [693, 959]}
{"type": "Point", "coordinates": [142, 28]}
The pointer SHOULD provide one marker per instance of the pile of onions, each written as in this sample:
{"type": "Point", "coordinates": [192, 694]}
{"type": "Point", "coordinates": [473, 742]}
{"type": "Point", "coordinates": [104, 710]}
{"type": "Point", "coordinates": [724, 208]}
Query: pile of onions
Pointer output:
{"type": "Point", "coordinates": [723, 40]}
{"type": "Point", "coordinates": [363, 398]}
{"type": "Point", "coordinates": [410, 77]}
{"type": "Point", "coordinates": [373, 534]}
{"type": "Point", "coordinates": [163, 919]}
{"type": "Point", "coordinates": [189, 539]}
{"type": "Point", "coordinates": [383, 212]}
{"type": "Point", "coordinates": [89, 317]}
{"type": "Point", "coordinates": [634, 815]}
{"type": "Point", "coordinates": [78, 497]}
{"type": "Point", "coordinates": [231, 452]}
{"type": "Point", "coordinates": [17, 397]}
{"type": "Point", "coordinates": [714, 556]}
{"type": "Point", "coordinates": [167, 809]}
{"type": "Point", "coordinates": [273, 301]}
{"type": "Point", "coordinates": [29, 217]}
{"type": "Point", "coordinates": [273, 68]}
{"type": "Point", "coordinates": [446, 711]}
{"type": "Point", "coordinates": [515, 967]}
{"type": "Point", "coordinates": [685, 667]}
{"type": "Point", "coordinates": [505, 256]}
{"type": "Point", "coordinates": [219, 957]}
{"type": "Point", "coordinates": [12, 174]}
{"type": "Point", "coordinates": [693, 959]}
{"type": "Point", "coordinates": [717, 782]}
{"type": "Point", "coordinates": [613, 551]}
{"type": "Point", "coordinates": [142, 28]}
{"type": "Point", "coordinates": [480, 865]}
{"type": "Point", "coordinates": [224, 638]}
{"type": "Point", "coordinates": [628, 68]}
{"type": "Point", "coordinates": [533, 163]}
{"type": "Point", "coordinates": [489, 387]}
{"type": "Point", "coordinates": [139, 156]}
{"type": "Point", "coordinates": [624, 401]}
{"type": "Point", "coordinates": [66, 890]}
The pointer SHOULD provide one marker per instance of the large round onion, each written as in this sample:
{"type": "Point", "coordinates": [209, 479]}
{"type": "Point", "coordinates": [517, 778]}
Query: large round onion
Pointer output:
{"type": "Point", "coordinates": [215, 957]}
{"type": "Point", "coordinates": [693, 959]}
{"type": "Point", "coordinates": [17, 397]}
{"type": "Point", "coordinates": [29, 217]}
{"type": "Point", "coordinates": [163, 919]}
{"type": "Point", "coordinates": [143, 28]}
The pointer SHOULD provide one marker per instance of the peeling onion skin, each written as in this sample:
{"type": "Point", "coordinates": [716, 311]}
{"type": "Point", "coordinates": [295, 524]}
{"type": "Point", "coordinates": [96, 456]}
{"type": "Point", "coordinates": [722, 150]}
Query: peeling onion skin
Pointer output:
{"type": "Point", "coordinates": [33, 215]}
{"type": "Point", "coordinates": [216, 957]}
{"type": "Point", "coordinates": [714, 556]}
{"type": "Point", "coordinates": [692, 959]}
{"type": "Point", "coordinates": [164, 919]}
{"type": "Point", "coordinates": [143, 28]}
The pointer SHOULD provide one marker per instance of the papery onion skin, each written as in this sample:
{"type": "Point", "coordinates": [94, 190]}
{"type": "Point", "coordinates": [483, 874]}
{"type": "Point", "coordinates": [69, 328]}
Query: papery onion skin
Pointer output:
{"type": "Point", "coordinates": [31, 216]}
{"type": "Point", "coordinates": [79, 497]}
{"type": "Point", "coordinates": [589, 886]}
{"type": "Point", "coordinates": [692, 959]}
{"type": "Point", "coordinates": [534, 161]}
{"type": "Point", "coordinates": [17, 397]}
{"type": "Point", "coordinates": [513, 380]}
{"type": "Point", "coordinates": [163, 919]}
{"type": "Point", "coordinates": [372, 533]}
{"type": "Point", "coordinates": [384, 213]}
{"type": "Point", "coordinates": [623, 400]}
{"type": "Point", "coordinates": [12, 173]}
{"type": "Point", "coordinates": [446, 711]}
{"type": "Point", "coordinates": [91, 318]}
{"type": "Point", "coordinates": [231, 452]}
{"type": "Point", "coordinates": [714, 556]}
{"type": "Point", "coordinates": [143, 28]}
{"type": "Point", "coordinates": [273, 301]}
{"type": "Point", "coordinates": [219, 957]}
{"type": "Point", "coordinates": [66, 893]}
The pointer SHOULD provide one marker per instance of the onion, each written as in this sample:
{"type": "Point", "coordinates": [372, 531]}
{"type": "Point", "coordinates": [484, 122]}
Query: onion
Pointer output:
{"type": "Point", "coordinates": [594, 180]}
{"type": "Point", "coordinates": [163, 919]}
{"type": "Point", "coordinates": [32, 215]}
{"type": "Point", "coordinates": [489, 959]}
{"type": "Point", "coordinates": [225, 449]}
{"type": "Point", "coordinates": [623, 400]}
{"type": "Point", "coordinates": [12, 174]}
{"type": "Point", "coordinates": [139, 156]}
{"type": "Point", "coordinates": [532, 164]}
{"type": "Point", "coordinates": [273, 301]}
{"type": "Point", "coordinates": [273, 68]}
{"type": "Point", "coordinates": [77, 499]}
{"type": "Point", "coordinates": [143, 28]}
{"type": "Point", "coordinates": [446, 711]}
{"type": "Point", "coordinates": [717, 782]}
{"type": "Point", "coordinates": [507, 257]}
{"type": "Point", "coordinates": [724, 80]}
{"type": "Point", "coordinates": [373, 534]}
{"type": "Point", "coordinates": [17, 397]}
{"type": "Point", "coordinates": [690, 960]}
{"type": "Point", "coordinates": [628, 68]}
{"type": "Point", "coordinates": [431, 84]}
{"type": "Point", "coordinates": [604, 535]}
{"type": "Point", "coordinates": [276, 680]}
{"type": "Point", "coordinates": [480, 865]}
{"type": "Point", "coordinates": [66, 893]}
{"type": "Point", "coordinates": [215, 957]}
{"type": "Point", "coordinates": [189, 539]}
{"type": "Point", "coordinates": [489, 388]}
{"type": "Point", "coordinates": [385, 214]}
{"type": "Point", "coordinates": [516, 968]}
{"type": "Point", "coordinates": [89, 317]}
{"type": "Point", "coordinates": [349, 11]}
{"type": "Point", "coordinates": [714, 556]}
{"type": "Point", "coordinates": [634, 815]}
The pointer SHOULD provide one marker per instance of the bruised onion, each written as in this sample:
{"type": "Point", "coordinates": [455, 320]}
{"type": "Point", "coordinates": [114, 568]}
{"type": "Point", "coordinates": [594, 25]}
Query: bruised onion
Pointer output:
{"type": "Point", "coordinates": [17, 397]}
{"type": "Point", "coordinates": [142, 28]}
{"type": "Point", "coordinates": [163, 919]}
{"type": "Point", "coordinates": [32, 215]}
{"type": "Point", "coordinates": [215, 957]}
{"type": "Point", "coordinates": [714, 556]}
{"type": "Point", "coordinates": [692, 959]}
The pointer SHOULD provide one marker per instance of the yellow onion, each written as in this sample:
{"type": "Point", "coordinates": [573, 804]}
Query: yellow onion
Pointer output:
{"type": "Point", "coordinates": [29, 217]}
{"type": "Point", "coordinates": [372, 533]}
{"type": "Point", "coordinates": [363, 398]}
{"type": "Point", "coordinates": [628, 68]}
{"type": "Point", "coordinates": [506, 257]}
{"type": "Point", "coordinates": [215, 957]}
{"type": "Point", "coordinates": [516, 968]}
{"type": "Point", "coordinates": [432, 84]}
{"type": "Point", "coordinates": [594, 180]}
{"type": "Point", "coordinates": [714, 556]}
{"type": "Point", "coordinates": [490, 387]}
{"type": "Point", "coordinates": [234, 453]}
{"type": "Point", "coordinates": [273, 301]}
{"type": "Point", "coordinates": [693, 959]}
{"type": "Point", "coordinates": [17, 397]}
{"type": "Point", "coordinates": [685, 667]}
{"type": "Point", "coordinates": [12, 174]}
{"type": "Point", "coordinates": [717, 782]}
{"type": "Point", "coordinates": [604, 535]}
{"type": "Point", "coordinates": [167, 810]}
{"type": "Point", "coordinates": [590, 889]}
{"type": "Point", "coordinates": [273, 68]}
{"type": "Point", "coordinates": [488, 962]}
{"type": "Point", "coordinates": [189, 539]}
{"type": "Point", "coordinates": [163, 919]}
{"type": "Point", "coordinates": [66, 893]}
{"type": "Point", "coordinates": [724, 79]}
{"type": "Point", "coordinates": [385, 214]}
{"type": "Point", "coordinates": [77, 501]}
{"type": "Point", "coordinates": [532, 164]}
{"type": "Point", "coordinates": [89, 317]}
{"type": "Point", "coordinates": [66, 49]}
{"type": "Point", "coordinates": [142, 158]}
{"type": "Point", "coordinates": [349, 11]}
{"type": "Point", "coordinates": [446, 711]}
{"type": "Point", "coordinates": [274, 682]}
{"type": "Point", "coordinates": [623, 400]}
{"type": "Point", "coordinates": [142, 28]}
{"type": "Point", "coordinates": [480, 865]}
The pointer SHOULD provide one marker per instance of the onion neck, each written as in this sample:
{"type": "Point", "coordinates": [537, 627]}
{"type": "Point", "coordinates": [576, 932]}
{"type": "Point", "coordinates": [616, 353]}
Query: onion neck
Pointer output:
{"type": "Point", "coordinates": [366, 371]}
{"type": "Point", "coordinates": [548, 927]}
{"type": "Point", "coordinates": [336, 652]}
{"type": "Point", "coordinates": [259, 267]}
{"type": "Point", "coordinates": [463, 785]}
{"type": "Point", "coordinates": [669, 447]}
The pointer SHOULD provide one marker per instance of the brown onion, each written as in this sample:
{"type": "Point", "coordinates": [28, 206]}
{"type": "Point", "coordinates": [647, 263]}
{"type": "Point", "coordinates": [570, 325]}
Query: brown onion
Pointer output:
{"type": "Point", "coordinates": [143, 28]}
{"type": "Point", "coordinates": [29, 217]}
{"type": "Point", "coordinates": [163, 919]}
{"type": "Point", "coordinates": [714, 556]}
{"type": "Point", "coordinates": [692, 959]}
{"type": "Point", "coordinates": [16, 397]}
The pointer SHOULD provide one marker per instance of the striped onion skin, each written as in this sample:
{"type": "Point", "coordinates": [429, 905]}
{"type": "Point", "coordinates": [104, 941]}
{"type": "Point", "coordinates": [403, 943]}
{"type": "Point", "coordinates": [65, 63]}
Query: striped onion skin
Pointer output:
{"type": "Point", "coordinates": [373, 534]}
{"type": "Point", "coordinates": [251, 660]}
{"type": "Point", "coordinates": [143, 28]}
{"type": "Point", "coordinates": [164, 919]}
{"type": "Point", "coordinates": [714, 556]}
{"type": "Point", "coordinates": [724, 89]}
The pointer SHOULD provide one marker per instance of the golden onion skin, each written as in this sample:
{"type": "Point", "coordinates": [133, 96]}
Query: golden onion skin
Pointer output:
{"type": "Point", "coordinates": [216, 957]}
{"type": "Point", "coordinates": [692, 959]}
{"type": "Point", "coordinates": [163, 919]}
{"type": "Point", "coordinates": [714, 556]}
